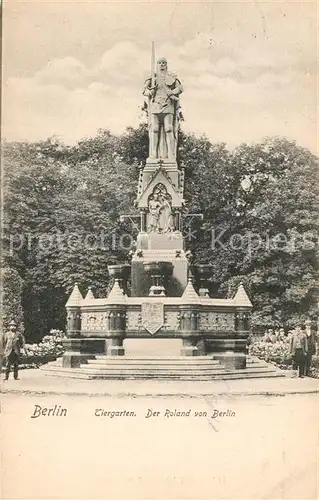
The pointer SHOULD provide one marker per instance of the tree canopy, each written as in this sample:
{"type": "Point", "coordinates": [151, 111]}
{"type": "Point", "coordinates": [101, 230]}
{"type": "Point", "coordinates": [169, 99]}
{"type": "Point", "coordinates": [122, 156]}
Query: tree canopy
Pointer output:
{"type": "Point", "coordinates": [62, 209]}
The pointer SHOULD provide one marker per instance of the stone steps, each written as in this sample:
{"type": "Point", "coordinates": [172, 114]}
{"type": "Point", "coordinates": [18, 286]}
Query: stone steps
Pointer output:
{"type": "Point", "coordinates": [201, 368]}
{"type": "Point", "coordinates": [83, 373]}
{"type": "Point", "coordinates": [154, 363]}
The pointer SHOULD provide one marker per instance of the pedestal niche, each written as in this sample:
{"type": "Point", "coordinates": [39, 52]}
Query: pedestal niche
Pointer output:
{"type": "Point", "coordinates": [159, 273]}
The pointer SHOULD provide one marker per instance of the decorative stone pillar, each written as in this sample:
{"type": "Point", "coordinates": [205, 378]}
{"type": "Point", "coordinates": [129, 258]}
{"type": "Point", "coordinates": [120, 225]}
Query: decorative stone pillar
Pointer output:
{"type": "Point", "coordinates": [189, 330]}
{"type": "Point", "coordinates": [237, 359]}
{"type": "Point", "coordinates": [116, 308]}
{"type": "Point", "coordinates": [117, 320]}
{"type": "Point", "coordinates": [72, 356]}
{"type": "Point", "coordinates": [189, 321]}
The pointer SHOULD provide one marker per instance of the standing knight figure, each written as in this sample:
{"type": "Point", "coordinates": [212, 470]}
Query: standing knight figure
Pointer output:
{"type": "Point", "coordinates": [163, 90]}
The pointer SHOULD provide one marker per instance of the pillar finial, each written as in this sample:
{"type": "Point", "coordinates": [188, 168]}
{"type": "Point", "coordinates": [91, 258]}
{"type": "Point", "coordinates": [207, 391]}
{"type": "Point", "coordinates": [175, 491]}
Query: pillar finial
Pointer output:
{"type": "Point", "coordinates": [75, 298]}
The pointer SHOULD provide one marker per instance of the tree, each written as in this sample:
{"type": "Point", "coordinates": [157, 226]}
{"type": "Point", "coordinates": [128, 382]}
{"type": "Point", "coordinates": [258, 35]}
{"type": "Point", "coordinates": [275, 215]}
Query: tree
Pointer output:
{"type": "Point", "coordinates": [11, 292]}
{"type": "Point", "coordinates": [260, 220]}
{"type": "Point", "coordinates": [277, 228]}
{"type": "Point", "coordinates": [63, 207]}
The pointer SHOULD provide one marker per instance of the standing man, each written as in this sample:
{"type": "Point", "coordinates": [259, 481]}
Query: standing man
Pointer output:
{"type": "Point", "coordinates": [163, 90]}
{"type": "Point", "coordinates": [272, 335]}
{"type": "Point", "coordinates": [311, 340]}
{"type": "Point", "coordinates": [13, 342]}
{"type": "Point", "coordinates": [298, 350]}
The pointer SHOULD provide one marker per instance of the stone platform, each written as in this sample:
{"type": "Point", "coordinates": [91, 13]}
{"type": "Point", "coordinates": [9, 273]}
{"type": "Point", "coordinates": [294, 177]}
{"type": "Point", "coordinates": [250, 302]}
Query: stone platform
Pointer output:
{"type": "Point", "coordinates": [200, 368]}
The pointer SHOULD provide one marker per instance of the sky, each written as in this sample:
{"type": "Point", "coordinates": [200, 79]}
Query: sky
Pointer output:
{"type": "Point", "coordinates": [248, 68]}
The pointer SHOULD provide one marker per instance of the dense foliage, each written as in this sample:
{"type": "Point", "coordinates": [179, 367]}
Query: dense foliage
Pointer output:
{"type": "Point", "coordinates": [11, 307]}
{"type": "Point", "coordinates": [260, 220]}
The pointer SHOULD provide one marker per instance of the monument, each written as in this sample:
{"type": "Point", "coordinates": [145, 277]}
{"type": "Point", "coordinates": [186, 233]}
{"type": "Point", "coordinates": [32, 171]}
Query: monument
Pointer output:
{"type": "Point", "coordinates": [161, 185]}
{"type": "Point", "coordinates": [165, 302]}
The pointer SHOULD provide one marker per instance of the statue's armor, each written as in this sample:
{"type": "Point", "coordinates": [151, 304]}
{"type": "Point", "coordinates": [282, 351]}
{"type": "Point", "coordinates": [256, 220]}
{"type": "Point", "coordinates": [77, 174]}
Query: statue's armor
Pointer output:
{"type": "Point", "coordinates": [162, 103]}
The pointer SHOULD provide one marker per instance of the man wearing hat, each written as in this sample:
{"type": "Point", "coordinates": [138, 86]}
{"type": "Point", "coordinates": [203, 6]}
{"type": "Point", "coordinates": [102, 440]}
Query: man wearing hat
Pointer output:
{"type": "Point", "coordinates": [13, 342]}
{"type": "Point", "coordinates": [299, 349]}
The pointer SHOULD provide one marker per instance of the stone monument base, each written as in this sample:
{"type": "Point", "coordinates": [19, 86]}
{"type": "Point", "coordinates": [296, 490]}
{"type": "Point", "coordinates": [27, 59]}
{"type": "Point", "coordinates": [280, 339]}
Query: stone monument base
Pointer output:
{"type": "Point", "coordinates": [141, 282]}
{"type": "Point", "coordinates": [231, 360]}
{"type": "Point", "coordinates": [152, 347]}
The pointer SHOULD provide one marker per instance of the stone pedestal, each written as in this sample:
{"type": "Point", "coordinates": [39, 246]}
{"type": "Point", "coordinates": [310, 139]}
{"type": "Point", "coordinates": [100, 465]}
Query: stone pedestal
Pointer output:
{"type": "Point", "coordinates": [189, 348]}
{"type": "Point", "coordinates": [115, 347]}
{"type": "Point", "coordinates": [79, 350]}
{"type": "Point", "coordinates": [201, 348]}
{"type": "Point", "coordinates": [72, 356]}
{"type": "Point", "coordinates": [232, 360]}
{"type": "Point", "coordinates": [91, 347]}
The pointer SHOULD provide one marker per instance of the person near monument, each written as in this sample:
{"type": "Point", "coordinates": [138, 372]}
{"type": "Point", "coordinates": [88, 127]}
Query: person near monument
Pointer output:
{"type": "Point", "coordinates": [298, 350]}
{"type": "Point", "coordinates": [163, 90]}
{"type": "Point", "coordinates": [311, 340]}
{"type": "Point", "coordinates": [1, 351]}
{"type": "Point", "coordinates": [272, 335]}
{"type": "Point", "coordinates": [13, 343]}
{"type": "Point", "coordinates": [281, 334]}
{"type": "Point", "coordinates": [266, 337]}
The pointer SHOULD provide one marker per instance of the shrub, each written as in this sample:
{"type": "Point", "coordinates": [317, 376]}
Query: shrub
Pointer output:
{"type": "Point", "coordinates": [277, 353]}
{"type": "Point", "coordinates": [49, 349]}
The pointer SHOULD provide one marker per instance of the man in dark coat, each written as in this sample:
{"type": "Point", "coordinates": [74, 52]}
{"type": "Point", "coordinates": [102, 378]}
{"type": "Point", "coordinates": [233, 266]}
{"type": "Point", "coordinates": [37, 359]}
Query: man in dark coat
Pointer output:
{"type": "Point", "coordinates": [299, 349]}
{"type": "Point", "coordinates": [13, 342]}
{"type": "Point", "coordinates": [311, 340]}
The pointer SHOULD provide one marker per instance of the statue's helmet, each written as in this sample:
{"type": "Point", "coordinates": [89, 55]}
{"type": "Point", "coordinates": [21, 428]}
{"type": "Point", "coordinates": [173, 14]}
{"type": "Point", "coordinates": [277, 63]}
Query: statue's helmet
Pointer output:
{"type": "Point", "coordinates": [162, 61]}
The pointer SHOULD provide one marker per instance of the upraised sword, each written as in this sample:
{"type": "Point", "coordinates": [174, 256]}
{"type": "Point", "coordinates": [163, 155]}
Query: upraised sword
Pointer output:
{"type": "Point", "coordinates": [153, 66]}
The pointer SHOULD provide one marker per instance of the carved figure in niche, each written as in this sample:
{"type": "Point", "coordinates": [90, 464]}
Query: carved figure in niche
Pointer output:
{"type": "Point", "coordinates": [160, 219]}
{"type": "Point", "coordinates": [163, 90]}
{"type": "Point", "coordinates": [165, 219]}
{"type": "Point", "coordinates": [154, 207]}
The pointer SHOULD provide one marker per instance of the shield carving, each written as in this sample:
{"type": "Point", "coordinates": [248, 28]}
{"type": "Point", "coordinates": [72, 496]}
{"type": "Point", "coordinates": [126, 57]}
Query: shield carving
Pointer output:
{"type": "Point", "coordinates": [152, 316]}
